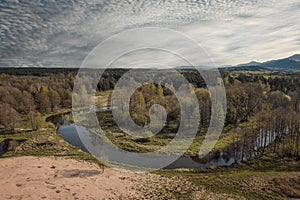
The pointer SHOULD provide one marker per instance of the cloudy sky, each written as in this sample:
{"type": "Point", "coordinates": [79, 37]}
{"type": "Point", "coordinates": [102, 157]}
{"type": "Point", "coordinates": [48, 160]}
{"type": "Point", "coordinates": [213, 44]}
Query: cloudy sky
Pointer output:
{"type": "Point", "coordinates": [63, 32]}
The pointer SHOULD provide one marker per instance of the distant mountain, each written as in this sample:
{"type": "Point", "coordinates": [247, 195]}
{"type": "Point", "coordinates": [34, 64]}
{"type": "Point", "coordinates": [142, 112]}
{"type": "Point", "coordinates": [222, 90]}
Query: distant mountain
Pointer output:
{"type": "Point", "coordinates": [253, 63]}
{"type": "Point", "coordinates": [286, 64]}
{"type": "Point", "coordinates": [290, 63]}
{"type": "Point", "coordinates": [295, 57]}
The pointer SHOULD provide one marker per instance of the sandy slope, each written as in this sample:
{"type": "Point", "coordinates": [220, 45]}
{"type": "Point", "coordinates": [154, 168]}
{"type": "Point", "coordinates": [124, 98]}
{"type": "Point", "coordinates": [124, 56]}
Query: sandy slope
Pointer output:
{"type": "Point", "coordinates": [58, 178]}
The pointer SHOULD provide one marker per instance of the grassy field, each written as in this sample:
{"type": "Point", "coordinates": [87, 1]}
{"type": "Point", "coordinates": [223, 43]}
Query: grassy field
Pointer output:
{"type": "Point", "coordinates": [129, 143]}
{"type": "Point", "coordinates": [261, 178]}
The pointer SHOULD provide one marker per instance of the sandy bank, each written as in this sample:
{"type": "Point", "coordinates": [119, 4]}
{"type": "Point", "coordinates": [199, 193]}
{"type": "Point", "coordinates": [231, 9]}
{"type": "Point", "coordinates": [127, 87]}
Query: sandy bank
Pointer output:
{"type": "Point", "coordinates": [59, 178]}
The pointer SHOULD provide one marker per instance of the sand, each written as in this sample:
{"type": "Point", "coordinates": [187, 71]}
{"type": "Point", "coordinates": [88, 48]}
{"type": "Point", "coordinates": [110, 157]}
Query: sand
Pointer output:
{"type": "Point", "coordinates": [61, 178]}
{"type": "Point", "coordinates": [58, 178]}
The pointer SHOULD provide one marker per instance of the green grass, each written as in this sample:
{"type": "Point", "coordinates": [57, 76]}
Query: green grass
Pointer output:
{"type": "Point", "coordinates": [45, 142]}
{"type": "Point", "coordinates": [265, 177]}
{"type": "Point", "coordinates": [18, 137]}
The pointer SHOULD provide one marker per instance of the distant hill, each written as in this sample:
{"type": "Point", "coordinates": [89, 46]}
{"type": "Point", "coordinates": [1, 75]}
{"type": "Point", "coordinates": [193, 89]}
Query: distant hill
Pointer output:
{"type": "Point", "coordinates": [295, 57]}
{"type": "Point", "coordinates": [286, 64]}
{"type": "Point", "coordinates": [290, 63]}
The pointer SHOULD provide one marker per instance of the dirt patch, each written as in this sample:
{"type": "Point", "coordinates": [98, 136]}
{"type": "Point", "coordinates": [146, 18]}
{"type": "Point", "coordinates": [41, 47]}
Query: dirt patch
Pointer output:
{"type": "Point", "coordinates": [79, 173]}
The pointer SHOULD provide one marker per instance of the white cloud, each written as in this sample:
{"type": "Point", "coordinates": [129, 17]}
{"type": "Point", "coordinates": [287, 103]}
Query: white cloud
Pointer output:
{"type": "Point", "coordinates": [62, 33]}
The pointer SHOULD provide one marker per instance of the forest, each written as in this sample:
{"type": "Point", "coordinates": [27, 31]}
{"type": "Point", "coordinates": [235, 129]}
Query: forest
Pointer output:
{"type": "Point", "coordinates": [262, 108]}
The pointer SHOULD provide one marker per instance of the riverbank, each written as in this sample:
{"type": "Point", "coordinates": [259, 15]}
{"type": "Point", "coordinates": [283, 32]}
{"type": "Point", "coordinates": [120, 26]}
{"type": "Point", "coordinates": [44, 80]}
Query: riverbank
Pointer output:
{"type": "Point", "coordinates": [61, 178]}
{"type": "Point", "coordinates": [43, 142]}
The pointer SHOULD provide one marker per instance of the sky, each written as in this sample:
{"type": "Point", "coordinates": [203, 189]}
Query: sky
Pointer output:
{"type": "Point", "coordinates": [61, 33]}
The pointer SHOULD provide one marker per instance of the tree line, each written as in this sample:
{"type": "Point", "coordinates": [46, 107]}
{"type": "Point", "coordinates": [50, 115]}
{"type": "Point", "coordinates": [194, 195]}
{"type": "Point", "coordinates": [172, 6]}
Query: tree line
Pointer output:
{"type": "Point", "coordinates": [263, 108]}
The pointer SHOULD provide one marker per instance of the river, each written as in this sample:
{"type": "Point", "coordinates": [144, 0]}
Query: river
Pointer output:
{"type": "Point", "coordinates": [80, 136]}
